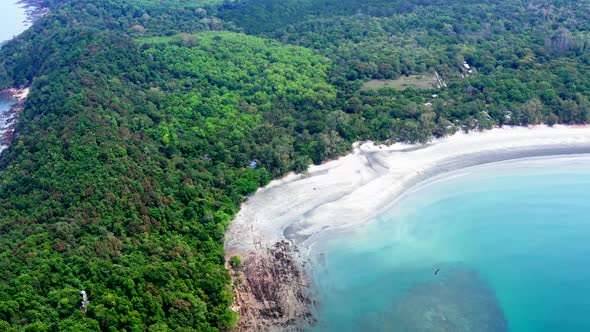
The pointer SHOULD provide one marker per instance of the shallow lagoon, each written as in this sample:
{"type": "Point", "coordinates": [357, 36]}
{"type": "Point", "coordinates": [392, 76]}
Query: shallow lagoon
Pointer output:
{"type": "Point", "coordinates": [515, 235]}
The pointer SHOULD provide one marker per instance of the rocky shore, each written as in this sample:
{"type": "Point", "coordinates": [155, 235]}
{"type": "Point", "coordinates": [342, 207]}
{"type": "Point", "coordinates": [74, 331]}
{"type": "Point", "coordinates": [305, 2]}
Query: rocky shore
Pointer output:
{"type": "Point", "coordinates": [298, 210]}
{"type": "Point", "coordinates": [34, 9]}
{"type": "Point", "coordinates": [9, 119]}
{"type": "Point", "coordinates": [270, 291]}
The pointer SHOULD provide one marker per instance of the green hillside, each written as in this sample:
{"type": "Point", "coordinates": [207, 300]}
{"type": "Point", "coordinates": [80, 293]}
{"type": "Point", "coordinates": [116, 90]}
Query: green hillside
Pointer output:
{"type": "Point", "coordinates": [134, 149]}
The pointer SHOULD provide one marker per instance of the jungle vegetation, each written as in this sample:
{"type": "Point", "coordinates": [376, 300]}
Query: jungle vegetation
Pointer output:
{"type": "Point", "coordinates": [135, 147]}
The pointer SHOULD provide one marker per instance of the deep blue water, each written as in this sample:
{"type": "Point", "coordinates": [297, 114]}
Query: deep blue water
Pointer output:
{"type": "Point", "coordinates": [511, 240]}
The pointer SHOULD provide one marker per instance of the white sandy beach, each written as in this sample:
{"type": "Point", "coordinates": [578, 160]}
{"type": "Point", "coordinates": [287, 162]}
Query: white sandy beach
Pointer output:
{"type": "Point", "coordinates": [19, 94]}
{"type": "Point", "coordinates": [353, 189]}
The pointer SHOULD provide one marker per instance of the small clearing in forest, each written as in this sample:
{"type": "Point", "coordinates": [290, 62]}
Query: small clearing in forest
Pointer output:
{"type": "Point", "coordinates": [425, 81]}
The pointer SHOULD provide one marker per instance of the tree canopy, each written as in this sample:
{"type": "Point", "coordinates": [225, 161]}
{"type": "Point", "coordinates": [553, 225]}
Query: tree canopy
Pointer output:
{"type": "Point", "coordinates": [134, 148]}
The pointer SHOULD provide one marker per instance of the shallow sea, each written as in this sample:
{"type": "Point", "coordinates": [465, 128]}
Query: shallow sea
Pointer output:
{"type": "Point", "coordinates": [510, 241]}
{"type": "Point", "coordinates": [12, 19]}
{"type": "Point", "coordinates": [12, 22]}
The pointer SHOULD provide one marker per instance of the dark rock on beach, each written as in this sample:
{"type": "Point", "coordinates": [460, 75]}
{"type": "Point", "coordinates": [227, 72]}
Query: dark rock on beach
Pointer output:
{"type": "Point", "coordinates": [34, 8]}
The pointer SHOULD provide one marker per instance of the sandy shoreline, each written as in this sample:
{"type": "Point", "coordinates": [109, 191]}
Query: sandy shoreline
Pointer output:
{"type": "Point", "coordinates": [354, 188]}
{"type": "Point", "coordinates": [18, 94]}
{"type": "Point", "coordinates": [297, 210]}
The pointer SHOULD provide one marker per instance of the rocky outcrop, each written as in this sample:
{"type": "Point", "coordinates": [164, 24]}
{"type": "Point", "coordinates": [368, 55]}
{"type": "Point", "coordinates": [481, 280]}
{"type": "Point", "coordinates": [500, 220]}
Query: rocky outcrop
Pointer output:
{"type": "Point", "coordinates": [270, 291]}
{"type": "Point", "coordinates": [34, 8]}
{"type": "Point", "coordinates": [8, 119]}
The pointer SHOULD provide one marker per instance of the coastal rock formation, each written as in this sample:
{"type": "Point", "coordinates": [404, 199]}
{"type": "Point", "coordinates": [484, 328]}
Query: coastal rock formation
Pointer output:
{"type": "Point", "coordinates": [8, 120]}
{"type": "Point", "coordinates": [270, 291]}
{"type": "Point", "coordinates": [351, 190]}
{"type": "Point", "coordinates": [35, 9]}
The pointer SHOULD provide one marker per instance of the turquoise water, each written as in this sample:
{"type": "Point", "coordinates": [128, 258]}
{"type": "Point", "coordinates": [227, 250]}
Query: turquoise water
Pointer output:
{"type": "Point", "coordinates": [511, 240]}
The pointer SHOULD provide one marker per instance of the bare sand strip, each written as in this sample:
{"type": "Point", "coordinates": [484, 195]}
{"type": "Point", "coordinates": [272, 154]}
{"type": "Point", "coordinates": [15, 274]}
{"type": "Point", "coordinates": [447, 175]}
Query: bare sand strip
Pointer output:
{"type": "Point", "coordinates": [354, 188]}
{"type": "Point", "coordinates": [278, 224]}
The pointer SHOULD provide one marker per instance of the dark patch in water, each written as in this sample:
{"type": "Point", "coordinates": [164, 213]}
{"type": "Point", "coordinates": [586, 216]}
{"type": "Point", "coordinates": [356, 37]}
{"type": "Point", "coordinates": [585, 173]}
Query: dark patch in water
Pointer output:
{"type": "Point", "coordinates": [457, 300]}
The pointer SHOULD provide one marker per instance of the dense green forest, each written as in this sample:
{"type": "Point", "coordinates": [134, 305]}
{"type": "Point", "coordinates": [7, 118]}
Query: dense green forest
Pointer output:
{"type": "Point", "coordinates": [134, 148]}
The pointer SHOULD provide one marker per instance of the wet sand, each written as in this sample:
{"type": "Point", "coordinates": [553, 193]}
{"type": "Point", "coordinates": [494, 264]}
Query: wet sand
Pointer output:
{"type": "Point", "coordinates": [355, 188]}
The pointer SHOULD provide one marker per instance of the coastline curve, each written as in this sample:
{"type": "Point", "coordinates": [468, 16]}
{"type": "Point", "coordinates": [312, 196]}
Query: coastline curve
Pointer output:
{"type": "Point", "coordinates": [352, 190]}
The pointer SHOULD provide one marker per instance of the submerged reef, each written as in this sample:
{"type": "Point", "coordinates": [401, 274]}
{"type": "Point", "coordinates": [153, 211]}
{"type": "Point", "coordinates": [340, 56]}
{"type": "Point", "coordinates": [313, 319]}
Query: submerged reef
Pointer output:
{"type": "Point", "coordinates": [456, 299]}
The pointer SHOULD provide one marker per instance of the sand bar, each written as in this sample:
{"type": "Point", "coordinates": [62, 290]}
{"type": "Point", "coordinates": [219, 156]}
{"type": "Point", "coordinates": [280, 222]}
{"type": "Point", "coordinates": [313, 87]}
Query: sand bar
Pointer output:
{"type": "Point", "coordinates": [353, 189]}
